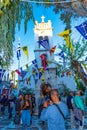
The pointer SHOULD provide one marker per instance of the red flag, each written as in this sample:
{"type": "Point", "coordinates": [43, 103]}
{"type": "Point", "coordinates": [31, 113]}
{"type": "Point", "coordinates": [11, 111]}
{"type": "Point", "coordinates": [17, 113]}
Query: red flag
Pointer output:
{"type": "Point", "coordinates": [52, 50]}
{"type": "Point", "coordinates": [44, 61]}
{"type": "Point", "coordinates": [42, 57]}
{"type": "Point", "coordinates": [18, 72]}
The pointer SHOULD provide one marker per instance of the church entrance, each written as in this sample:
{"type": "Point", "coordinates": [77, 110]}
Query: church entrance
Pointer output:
{"type": "Point", "coordinates": [45, 88]}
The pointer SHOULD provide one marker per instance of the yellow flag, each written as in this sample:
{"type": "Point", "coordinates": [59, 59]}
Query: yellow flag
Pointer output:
{"type": "Point", "coordinates": [66, 36]}
{"type": "Point", "coordinates": [64, 33]}
{"type": "Point", "coordinates": [85, 67]}
{"type": "Point", "coordinates": [42, 70]}
{"type": "Point", "coordinates": [25, 50]}
{"type": "Point", "coordinates": [71, 47]}
{"type": "Point", "coordinates": [13, 74]}
{"type": "Point", "coordinates": [27, 68]}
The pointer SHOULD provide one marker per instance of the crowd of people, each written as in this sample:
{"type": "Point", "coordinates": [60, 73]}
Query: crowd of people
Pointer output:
{"type": "Point", "coordinates": [77, 109]}
{"type": "Point", "coordinates": [52, 109]}
{"type": "Point", "coordinates": [19, 109]}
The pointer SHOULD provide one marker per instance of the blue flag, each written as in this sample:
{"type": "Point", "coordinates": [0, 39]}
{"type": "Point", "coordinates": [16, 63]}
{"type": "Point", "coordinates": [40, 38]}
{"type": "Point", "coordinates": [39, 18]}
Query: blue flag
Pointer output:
{"type": "Point", "coordinates": [18, 51]}
{"type": "Point", "coordinates": [86, 59]}
{"type": "Point", "coordinates": [82, 28]}
{"type": "Point", "coordinates": [45, 44]}
{"type": "Point", "coordinates": [35, 63]}
{"type": "Point", "coordinates": [40, 75]}
{"type": "Point", "coordinates": [61, 54]}
{"type": "Point", "coordinates": [24, 72]}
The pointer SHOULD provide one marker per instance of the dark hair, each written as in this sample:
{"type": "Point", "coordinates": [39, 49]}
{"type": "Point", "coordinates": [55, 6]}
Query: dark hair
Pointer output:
{"type": "Point", "coordinates": [55, 92]}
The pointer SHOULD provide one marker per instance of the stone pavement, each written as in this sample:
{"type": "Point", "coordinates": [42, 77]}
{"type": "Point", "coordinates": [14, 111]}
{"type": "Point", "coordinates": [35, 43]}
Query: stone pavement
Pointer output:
{"type": "Point", "coordinates": [6, 124]}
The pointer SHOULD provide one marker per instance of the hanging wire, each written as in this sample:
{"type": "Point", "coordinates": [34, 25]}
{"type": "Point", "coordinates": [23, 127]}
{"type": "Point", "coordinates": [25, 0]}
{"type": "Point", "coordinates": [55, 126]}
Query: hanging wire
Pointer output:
{"type": "Point", "coordinates": [46, 2]}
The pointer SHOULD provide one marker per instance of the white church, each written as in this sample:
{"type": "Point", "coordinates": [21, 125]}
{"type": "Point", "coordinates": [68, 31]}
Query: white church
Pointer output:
{"type": "Point", "coordinates": [44, 31]}
{"type": "Point", "coordinates": [49, 77]}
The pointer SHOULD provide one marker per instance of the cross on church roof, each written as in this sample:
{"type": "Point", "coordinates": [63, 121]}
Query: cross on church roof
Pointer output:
{"type": "Point", "coordinates": [42, 18]}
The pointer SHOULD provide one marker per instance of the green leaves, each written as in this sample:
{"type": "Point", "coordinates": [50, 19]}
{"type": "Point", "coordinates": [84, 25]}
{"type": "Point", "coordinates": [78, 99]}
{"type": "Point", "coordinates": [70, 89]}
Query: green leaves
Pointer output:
{"type": "Point", "coordinates": [12, 12]}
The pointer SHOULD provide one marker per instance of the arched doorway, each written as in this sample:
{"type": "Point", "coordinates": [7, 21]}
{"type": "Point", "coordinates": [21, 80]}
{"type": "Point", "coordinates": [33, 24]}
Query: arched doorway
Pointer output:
{"type": "Point", "coordinates": [45, 88]}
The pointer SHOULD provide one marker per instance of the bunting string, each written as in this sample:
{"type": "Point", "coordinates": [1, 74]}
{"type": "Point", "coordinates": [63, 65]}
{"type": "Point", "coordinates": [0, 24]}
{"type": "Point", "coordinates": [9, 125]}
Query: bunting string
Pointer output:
{"type": "Point", "coordinates": [46, 2]}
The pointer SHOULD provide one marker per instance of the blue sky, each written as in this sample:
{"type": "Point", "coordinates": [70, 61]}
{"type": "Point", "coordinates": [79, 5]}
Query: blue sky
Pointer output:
{"type": "Point", "coordinates": [28, 38]}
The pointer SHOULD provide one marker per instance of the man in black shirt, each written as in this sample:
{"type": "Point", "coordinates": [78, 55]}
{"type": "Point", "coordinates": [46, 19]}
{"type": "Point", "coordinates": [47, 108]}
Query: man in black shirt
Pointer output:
{"type": "Point", "coordinates": [70, 104]}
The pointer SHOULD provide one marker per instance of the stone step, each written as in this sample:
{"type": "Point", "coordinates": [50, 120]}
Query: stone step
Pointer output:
{"type": "Point", "coordinates": [36, 124]}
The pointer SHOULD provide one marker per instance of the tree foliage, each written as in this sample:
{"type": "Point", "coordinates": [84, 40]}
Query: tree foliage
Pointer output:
{"type": "Point", "coordinates": [75, 61]}
{"type": "Point", "coordinates": [79, 54]}
{"type": "Point", "coordinates": [12, 12]}
{"type": "Point", "coordinates": [79, 83]}
{"type": "Point", "coordinates": [67, 13]}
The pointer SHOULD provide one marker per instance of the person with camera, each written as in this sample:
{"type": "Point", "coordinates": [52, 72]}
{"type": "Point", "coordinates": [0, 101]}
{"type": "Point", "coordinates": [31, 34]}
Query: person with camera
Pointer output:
{"type": "Point", "coordinates": [54, 112]}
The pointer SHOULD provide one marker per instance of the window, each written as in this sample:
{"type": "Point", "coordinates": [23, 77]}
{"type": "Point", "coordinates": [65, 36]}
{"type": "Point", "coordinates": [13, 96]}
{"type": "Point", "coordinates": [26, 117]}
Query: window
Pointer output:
{"type": "Point", "coordinates": [46, 37]}
{"type": "Point", "coordinates": [40, 38]}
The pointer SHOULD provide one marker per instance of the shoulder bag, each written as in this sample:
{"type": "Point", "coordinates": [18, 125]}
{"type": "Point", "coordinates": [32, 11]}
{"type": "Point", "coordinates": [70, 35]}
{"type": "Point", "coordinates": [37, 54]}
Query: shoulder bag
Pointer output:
{"type": "Point", "coordinates": [59, 110]}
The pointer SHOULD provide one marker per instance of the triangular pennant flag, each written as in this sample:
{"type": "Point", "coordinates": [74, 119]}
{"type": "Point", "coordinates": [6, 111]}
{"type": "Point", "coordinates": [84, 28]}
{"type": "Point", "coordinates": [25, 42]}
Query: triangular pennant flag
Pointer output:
{"type": "Point", "coordinates": [71, 47]}
{"type": "Point", "coordinates": [52, 50]}
{"type": "Point", "coordinates": [42, 70]}
{"type": "Point", "coordinates": [64, 33]}
{"type": "Point", "coordinates": [35, 63]}
{"type": "Point", "coordinates": [25, 50]}
{"type": "Point", "coordinates": [42, 56]}
{"type": "Point", "coordinates": [27, 68]}
{"type": "Point", "coordinates": [0, 74]}
{"type": "Point", "coordinates": [3, 72]}
{"type": "Point", "coordinates": [85, 67]}
{"type": "Point", "coordinates": [18, 72]}
{"type": "Point", "coordinates": [34, 71]}
{"type": "Point", "coordinates": [23, 73]}
{"type": "Point", "coordinates": [62, 54]}
{"type": "Point", "coordinates": [66, 36]}
{"type": "Point", "coordinates": [44, 61]}
{"type": "Point", "coordinates": [18, 50]}
{"type": "Point", "coordinates": [40, 75]}
{"type": "Point", "coordinates": [82, 28]}
{"type": "Point", "coordinates": [12, 74]}
{"type": "Point", "coordinates": [45, 44]}
{"type": "Point", "coordinates": [86, 59]}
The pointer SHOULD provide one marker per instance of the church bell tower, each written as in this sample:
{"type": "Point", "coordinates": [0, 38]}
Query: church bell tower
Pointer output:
{"type": "Point", "coordinates": [43, 32]}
